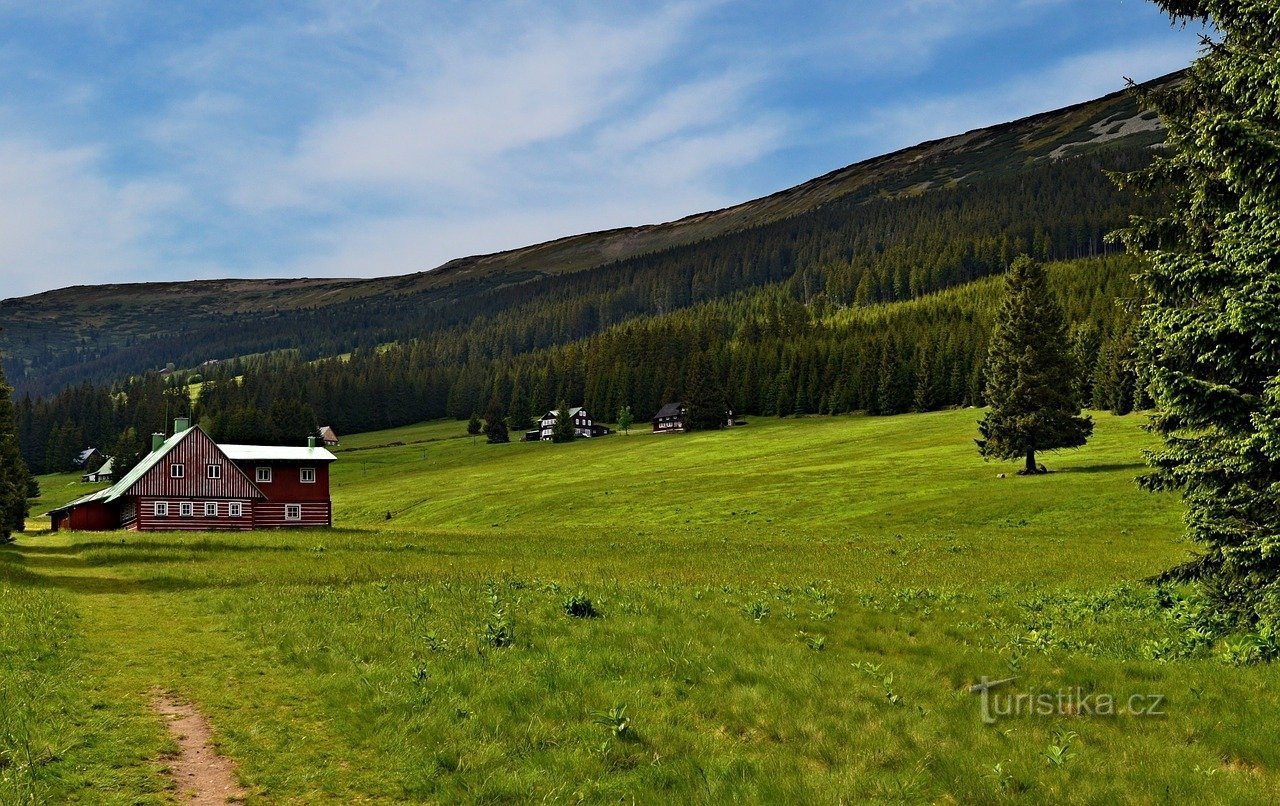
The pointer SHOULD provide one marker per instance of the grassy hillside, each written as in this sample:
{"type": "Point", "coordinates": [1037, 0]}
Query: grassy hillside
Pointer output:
{"type": "Point", "coordinates": [62, 337]}
{"type": "Point", "coordinates": [789, 611]}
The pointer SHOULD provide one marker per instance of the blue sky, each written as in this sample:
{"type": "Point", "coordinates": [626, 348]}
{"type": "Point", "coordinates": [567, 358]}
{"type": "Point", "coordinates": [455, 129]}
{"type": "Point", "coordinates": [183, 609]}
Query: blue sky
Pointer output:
{"type": "Point", "coordinates": [161, 141]}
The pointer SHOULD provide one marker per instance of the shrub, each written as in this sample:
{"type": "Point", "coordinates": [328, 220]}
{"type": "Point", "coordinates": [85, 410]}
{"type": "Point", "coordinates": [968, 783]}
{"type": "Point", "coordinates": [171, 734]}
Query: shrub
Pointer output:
{"type": "Point", "coordinates": [579, 606]}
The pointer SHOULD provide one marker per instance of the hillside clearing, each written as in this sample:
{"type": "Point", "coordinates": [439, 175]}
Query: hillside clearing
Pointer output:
{"type": "Point", "coordinates": [790, 611]}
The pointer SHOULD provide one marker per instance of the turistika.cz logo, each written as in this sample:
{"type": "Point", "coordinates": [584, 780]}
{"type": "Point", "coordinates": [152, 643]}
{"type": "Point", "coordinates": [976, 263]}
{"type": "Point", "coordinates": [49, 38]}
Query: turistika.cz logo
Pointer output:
{"type": "Point", "coordinates": [1007, 704]}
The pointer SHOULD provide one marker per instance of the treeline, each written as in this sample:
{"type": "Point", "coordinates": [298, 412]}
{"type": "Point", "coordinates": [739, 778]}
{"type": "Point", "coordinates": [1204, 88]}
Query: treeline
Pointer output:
{"type": "Point", "coordinates": [767, 352]}
{"type": "Point", "coordinates": [855, 250]}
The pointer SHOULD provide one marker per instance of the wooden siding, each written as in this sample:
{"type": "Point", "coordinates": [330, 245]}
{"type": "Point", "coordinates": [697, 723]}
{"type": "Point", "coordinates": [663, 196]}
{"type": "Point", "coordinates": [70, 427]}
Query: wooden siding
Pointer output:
{"type": "Point", "coordinates": [272, 515]}
{"type": "Point", "coordinates": [286, 481]}
{"type": "Point", "coordinates": [194, 452]}
{"type": "Point", "coordinates": [92, 517]}
{"type": "Point", "coordinates": [196, 521]}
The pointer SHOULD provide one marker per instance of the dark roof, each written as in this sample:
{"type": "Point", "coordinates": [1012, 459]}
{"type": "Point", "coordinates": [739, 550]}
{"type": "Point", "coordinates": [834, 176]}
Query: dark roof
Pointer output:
{"type": "Point", "coordinates": [670, 410]}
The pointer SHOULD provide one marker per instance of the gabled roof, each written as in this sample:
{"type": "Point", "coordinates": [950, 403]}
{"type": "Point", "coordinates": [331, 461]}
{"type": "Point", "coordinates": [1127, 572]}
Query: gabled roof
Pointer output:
{"type": "Point", "coordinates": [670, 410]}
{"type": "Point", "coordinates": [108, 467]}
{"type": "Point", "coordinates": [276, 453]}
{"type": "Point", "coordinates": [327, 432]}
{"type": "Point", "coordinates": [84, 455]}
{"type": "Point", "coordinates": [553, 413]}
{"type": "Point", "coordinates": [149, 461]}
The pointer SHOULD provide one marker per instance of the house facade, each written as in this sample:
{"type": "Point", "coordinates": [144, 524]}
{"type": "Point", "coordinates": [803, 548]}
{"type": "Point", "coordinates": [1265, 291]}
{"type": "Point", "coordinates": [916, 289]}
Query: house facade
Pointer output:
{"type": "Point", "coordinates": [583, 425]}
{"type": "Point", "coordinates": [189, 482]}
{"type": "Point", "coordinates": [669, 419]}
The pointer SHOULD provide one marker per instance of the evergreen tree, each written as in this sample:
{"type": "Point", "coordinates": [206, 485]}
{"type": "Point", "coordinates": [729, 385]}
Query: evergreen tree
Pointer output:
{"type": "Point", "coordinates": [625, 419]}
{"type": "Point", "coordinates": [1031, 384]}
{"type": "Point", "coordinates": [495, 427]}
{"type": "Point", "coordinates": [14, 478]}
{"type": "Point", "coordinates": [705, 407]}
{"type": "Point", "coordinates": [563, 430]}
{"type": "Point", "coordinates": [127, 452]}
{"type": "Point", "coordinates": [473, 425]}
{"type": "Point", "coordinates": [1211, 318]}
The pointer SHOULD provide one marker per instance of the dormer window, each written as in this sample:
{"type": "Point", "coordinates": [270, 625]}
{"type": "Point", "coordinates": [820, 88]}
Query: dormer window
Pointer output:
{"type": "Point", "coordinates": [177, 471]}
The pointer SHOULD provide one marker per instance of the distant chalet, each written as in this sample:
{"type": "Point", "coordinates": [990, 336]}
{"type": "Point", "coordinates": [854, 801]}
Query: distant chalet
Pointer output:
{"type": "Point", "coordinates": [673, 419]}
{"type": "Point", "coordinates": [328, 435]}
{"type": "Point", "coordinates": [104, 473]}
{"type": "Point", "coordinates": [189, 482]}
{"type": "Point", "coordinates": [583, 425]}
{"type": "Point", "coordinates": [670, 418]}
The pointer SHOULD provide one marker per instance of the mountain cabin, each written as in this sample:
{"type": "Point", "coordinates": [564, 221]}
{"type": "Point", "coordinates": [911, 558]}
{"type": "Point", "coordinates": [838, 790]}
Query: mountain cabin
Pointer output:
{"type": "Point", "coordinates": [189, 482]}
{"type": "Point", "coordinates": [670, 419]}
{"type": "Point", "coordinates": [328, 435]}
{"type": "Point", "coordinates": [583, 425]}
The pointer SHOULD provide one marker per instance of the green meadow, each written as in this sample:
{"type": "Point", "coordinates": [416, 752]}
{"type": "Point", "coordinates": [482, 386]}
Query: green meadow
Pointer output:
{"type": "Point", "coordinates": [787, 612]}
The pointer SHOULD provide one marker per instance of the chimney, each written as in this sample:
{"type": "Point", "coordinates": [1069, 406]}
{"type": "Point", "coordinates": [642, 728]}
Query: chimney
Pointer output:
{"type": "Point", "coordinates": [181, 424]}
{"type": "Point", "coordinates": [156, 441]}
{"type": "Point", "coordinates": [311, 442]}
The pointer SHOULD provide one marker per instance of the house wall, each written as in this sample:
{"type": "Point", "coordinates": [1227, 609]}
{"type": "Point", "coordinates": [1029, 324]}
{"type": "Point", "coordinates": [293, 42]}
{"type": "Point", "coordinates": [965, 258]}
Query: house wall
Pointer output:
{"type": "Point", "coordinates": [92, 517]}
{"type": "Point", "coordinates": [147, 521]}
{"type": "Point", "coordinates": [286, 487]}
{"type": "Point", "coordinates": [194, 452]}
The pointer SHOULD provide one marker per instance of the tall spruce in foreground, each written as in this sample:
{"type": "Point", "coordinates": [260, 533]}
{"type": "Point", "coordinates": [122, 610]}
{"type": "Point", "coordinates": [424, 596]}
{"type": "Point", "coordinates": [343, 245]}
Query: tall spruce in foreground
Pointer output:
{"type": "Point", "coordinates": [1031, 384]}
{"type": "Point", "coordinates": [563, 430]}
{"type": "Point", "coordinates": [495, 427]}
{"type": "Point", "coordinates": [1210, 336]}
{"type": "Point", "coordinates": [14, 478]}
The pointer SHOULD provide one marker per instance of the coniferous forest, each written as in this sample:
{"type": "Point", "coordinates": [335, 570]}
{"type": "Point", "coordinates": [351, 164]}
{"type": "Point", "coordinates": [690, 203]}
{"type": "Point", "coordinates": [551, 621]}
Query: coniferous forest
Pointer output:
{"type": "Point", "coordinates": [881, 305]}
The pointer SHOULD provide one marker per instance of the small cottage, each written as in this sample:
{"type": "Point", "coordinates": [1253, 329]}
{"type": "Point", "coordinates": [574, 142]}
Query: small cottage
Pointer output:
{"type": "Point", "coordinates": [104, 473]}
{"type": "Point", "coordinates": [669, 419]}
{"type": "Point", "coordinates": [583, 425]}
{"type": "Point", "coordinates": [328, 435]}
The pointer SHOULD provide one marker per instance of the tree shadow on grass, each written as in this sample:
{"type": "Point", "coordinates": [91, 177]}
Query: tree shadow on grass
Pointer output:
{"type": "Point", "coordinates": [1109, 468]}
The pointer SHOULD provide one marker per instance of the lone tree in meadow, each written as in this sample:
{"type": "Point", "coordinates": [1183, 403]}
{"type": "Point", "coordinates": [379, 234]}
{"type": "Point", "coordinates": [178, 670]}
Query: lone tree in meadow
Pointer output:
{"type": "Point", "coordinates": [563, 431]}
{"type": "Point", "coordinates": [625, 419]}
{"type": "Point", "coordinates": [474, 426]}
{"type": "Point", "coordinates": [14, 478]}
{"type": "Point", "coordinates": [1210, 335]}
{"type": "Point", "coordinates": [495, 428]}
{"type": "Point", "coordinates": [1031, 383]}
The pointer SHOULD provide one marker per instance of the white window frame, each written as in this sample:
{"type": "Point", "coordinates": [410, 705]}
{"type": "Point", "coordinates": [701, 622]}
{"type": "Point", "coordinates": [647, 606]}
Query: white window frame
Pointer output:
{"type": "Point", "coordinates": [293, 512]}
{"type": "Point", "coordinates": [213, 471]}
{"type": "Point", "coordinates": [177, 470]}
{"type": "Point", "coordinates": [186, 509]}
{"type": "Point", "coordinates": [304, 472]}
{"type": "Point", "coordinates": [160, 509]}
{"type": "Point", "coordinates": [234, 509]}
{"type": "Point", "coordinates": [262, 475]}
{"type": "Point", "coordinates": [208, 505]}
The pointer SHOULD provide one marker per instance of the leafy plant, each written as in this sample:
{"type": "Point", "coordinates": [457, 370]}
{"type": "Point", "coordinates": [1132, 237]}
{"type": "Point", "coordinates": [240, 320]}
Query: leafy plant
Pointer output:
{"type": "Point", "coordinates": [579, 606]}
{"type": "Point", "coordinates": [756, 611]}
{"type": "Point", "coordinates": [1059, 753]}
{"type": "Point", "coordinates": [815, 642]}
{"type": "Point", "coordinates": [616, 720]}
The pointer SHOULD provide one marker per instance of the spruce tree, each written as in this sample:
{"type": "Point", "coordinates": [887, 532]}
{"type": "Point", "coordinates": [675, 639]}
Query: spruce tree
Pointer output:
{"type": "Point", "coordinates": [1031, 382]}
{"type": "Point", "coordinates": [473, 425]}
{"type": "Point", "coordinates": [705, 406]}
{"type": "Point", "coordinates": [1210, 330]}
{"type": "Point", "coordinates": [495, 428]}
{"type": "Point", "coordinates": [14, 478]}
{"type": "Point", "coordinates": [563, 430]}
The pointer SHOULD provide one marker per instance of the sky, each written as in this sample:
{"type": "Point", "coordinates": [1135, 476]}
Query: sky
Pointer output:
{"type": "Point", "coordinates": [144, 141]}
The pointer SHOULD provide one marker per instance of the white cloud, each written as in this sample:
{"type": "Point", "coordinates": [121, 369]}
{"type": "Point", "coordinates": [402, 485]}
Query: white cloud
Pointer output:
{"type": "Point", "coordinates": [1069, 81]}
{"type": "Point", "coordinates": [62, 224]}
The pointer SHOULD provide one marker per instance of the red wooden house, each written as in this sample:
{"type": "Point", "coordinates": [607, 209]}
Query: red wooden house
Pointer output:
{"type": "Point", "coordinates": [190, 482]}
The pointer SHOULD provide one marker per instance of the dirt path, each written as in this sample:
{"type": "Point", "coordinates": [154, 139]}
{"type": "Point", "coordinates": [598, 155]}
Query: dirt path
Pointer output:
{"type": "Point", "coordinates": [201, 775]}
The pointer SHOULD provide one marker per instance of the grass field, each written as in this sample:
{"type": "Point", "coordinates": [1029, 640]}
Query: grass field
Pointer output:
{"type": "Point", "coordinates": [790, 611]}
